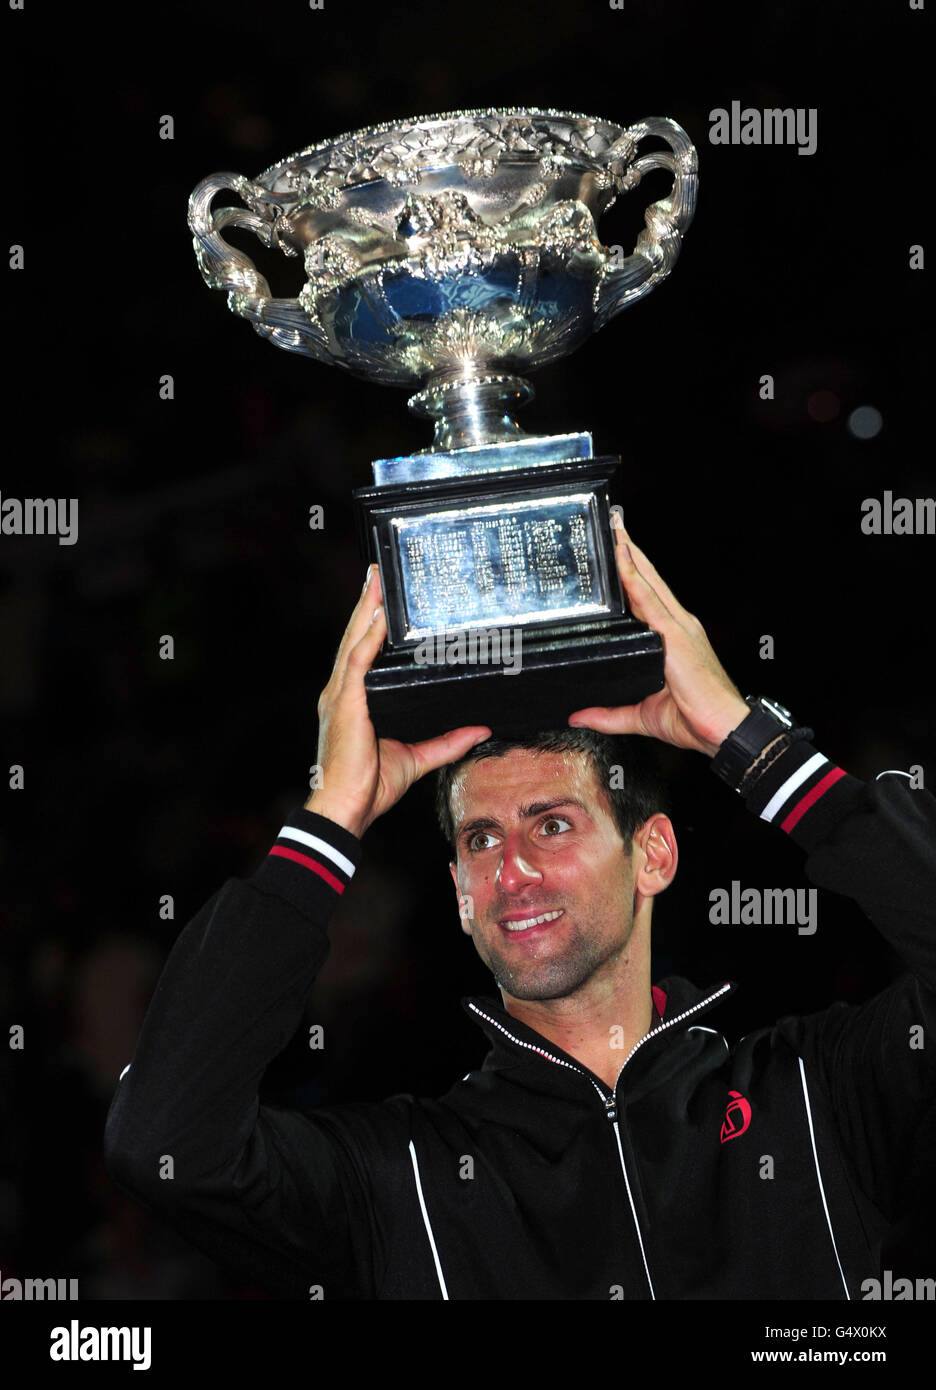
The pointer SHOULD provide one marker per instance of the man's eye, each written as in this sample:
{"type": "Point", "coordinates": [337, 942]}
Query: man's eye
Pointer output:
{"type": "Point", "coordinates": [476, 837]}
{"type": "Point", "coordinates": [555, 825]}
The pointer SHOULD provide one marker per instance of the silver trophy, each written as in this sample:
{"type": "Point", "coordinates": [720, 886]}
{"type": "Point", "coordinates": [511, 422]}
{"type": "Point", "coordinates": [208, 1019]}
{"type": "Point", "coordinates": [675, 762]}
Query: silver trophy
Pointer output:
{"type": "Point", "coordinates": [452, 254]}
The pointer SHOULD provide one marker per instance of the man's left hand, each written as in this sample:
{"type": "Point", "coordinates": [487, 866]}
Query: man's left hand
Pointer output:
{"type": "Point", "coordinates": [699, 705]}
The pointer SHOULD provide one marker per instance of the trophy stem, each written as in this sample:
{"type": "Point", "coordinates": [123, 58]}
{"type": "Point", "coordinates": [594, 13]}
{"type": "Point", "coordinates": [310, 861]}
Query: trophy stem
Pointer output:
{"type": "Point", "coordinates": [471, 410]}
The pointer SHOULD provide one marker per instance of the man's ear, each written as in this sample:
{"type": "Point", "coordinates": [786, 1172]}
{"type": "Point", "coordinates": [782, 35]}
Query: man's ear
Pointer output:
{"type": "Point", "coordinates": [465, 904]}
{"type": "Point", "coordinates": [655, 855]}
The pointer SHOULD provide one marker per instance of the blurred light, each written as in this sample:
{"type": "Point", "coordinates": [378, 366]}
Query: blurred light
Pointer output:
{"type": "Point", "coordinates": [865, 422]}
{"type": "Point", "coordinates": [823, 406]}
{"type": "Point", "coordinates": [252, 132]}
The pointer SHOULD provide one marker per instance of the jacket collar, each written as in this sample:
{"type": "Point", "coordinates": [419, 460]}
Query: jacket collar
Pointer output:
{"type": "Point", "coordinates": [678, 1004]}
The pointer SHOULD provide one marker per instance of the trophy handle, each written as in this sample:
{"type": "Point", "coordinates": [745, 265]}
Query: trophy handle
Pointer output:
{"type": "Point", "coordinates": [658, 246]}
{"type": "Point", "coordinates": [283, 321]}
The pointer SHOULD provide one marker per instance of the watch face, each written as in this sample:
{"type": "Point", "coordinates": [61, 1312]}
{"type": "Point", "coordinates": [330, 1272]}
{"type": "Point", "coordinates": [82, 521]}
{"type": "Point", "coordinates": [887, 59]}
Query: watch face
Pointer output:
{"type": "Point", "coordinates": [782, 713]}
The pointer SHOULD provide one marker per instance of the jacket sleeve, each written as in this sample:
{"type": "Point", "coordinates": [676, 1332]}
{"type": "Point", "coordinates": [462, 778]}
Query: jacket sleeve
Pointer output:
{"type": "Point", "coordinates": [874, 842]}
{"type": "Point", "coordinates": [272, 1193]}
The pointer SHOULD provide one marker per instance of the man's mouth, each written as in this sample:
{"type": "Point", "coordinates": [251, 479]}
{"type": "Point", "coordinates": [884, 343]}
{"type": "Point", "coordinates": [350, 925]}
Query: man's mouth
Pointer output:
{"type": "Point", "coordinates": [527, 924]}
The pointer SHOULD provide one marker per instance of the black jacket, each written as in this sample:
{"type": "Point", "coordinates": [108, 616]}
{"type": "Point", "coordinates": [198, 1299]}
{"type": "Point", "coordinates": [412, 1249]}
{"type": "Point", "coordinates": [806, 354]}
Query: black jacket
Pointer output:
{"type": "Point", "coordinates": [769, 1170]}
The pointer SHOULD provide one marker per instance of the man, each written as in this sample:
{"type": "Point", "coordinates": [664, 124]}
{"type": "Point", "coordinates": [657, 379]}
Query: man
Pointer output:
{"type": "Point", "coordinates": [612, 1145]}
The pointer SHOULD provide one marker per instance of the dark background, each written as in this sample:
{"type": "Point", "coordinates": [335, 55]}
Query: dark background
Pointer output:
{"type": "Point", "coordinates": [146, 777]}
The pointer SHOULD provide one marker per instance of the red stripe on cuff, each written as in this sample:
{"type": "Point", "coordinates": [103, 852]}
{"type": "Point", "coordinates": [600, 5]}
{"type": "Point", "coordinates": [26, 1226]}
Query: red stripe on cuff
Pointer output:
{"type": "Point", "coordinates": [803, 805]}
{"type": "Point", "coordinates": [312, 864]}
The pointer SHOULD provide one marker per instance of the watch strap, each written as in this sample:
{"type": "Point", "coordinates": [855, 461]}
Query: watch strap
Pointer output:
{"type": "Point", "coordinates": [745, 743]}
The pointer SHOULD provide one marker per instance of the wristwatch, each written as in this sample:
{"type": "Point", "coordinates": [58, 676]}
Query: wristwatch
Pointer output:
{"type": "Point", "coordinates": [767, 721]}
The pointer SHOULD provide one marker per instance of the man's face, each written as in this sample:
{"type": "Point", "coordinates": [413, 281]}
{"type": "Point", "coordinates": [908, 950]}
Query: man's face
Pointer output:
{"type": "Point", "coordinates": [535, 835]}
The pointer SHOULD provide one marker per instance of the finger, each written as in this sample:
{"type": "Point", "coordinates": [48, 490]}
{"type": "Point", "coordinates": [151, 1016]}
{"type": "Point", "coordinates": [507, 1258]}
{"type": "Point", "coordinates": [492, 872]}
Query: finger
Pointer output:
{"type": "Point", "coordinates": [446, 748]}
{"type": "Point", "coordinates": [359, 621]}
{"type": "Point", "coordinates": [649, 571]}
{"type": "Point", "coordinates": [646, 603]}
{"type": "Point", "coordinates": [362, 654]}
{"type": "Point", "coordinates": [620, 719]}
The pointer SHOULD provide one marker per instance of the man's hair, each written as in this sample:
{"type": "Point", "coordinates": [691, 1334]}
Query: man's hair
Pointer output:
{"type": "Point", "coordinates": [626, 767]}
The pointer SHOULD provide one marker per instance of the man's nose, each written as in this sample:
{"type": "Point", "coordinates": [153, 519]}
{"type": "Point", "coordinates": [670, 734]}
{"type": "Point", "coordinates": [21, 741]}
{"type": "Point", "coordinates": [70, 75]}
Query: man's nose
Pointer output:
{"type": "Point", "coordinates": [517, 869]}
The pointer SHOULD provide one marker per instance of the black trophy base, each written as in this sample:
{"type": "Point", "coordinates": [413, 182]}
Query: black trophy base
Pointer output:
{"type": "Point", "coordinates": [611, 661]}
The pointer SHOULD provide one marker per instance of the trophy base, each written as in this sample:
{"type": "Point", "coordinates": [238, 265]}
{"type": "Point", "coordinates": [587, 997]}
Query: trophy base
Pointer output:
{"type": "Point", "coordinates": [611, 661]}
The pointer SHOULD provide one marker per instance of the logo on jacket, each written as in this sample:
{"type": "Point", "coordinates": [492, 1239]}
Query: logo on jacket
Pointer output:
{"type": "Point", "coordinates": [737, 1117]}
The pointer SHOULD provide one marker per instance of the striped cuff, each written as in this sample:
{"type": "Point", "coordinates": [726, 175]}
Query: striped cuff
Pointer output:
{"type": "Point", "coordinates": [805, 794]}
{"type": "Point", "coordinates": [311, 861]}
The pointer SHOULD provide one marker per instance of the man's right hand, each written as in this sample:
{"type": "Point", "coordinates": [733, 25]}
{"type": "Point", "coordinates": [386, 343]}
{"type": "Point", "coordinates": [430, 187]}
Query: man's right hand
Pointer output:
{"type": "Point", "coordinates": [363, 776]}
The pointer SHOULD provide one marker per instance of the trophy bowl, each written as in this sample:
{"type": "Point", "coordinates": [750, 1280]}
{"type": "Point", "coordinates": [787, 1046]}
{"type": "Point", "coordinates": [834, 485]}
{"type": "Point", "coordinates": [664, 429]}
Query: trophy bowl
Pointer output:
{"type": "Point", "coordinates": [448, 251]}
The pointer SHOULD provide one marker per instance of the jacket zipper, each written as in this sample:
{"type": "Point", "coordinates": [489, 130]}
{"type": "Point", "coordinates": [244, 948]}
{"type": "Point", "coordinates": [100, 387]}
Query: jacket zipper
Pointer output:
{"type": "Point", "coordinates": [609, 1101]}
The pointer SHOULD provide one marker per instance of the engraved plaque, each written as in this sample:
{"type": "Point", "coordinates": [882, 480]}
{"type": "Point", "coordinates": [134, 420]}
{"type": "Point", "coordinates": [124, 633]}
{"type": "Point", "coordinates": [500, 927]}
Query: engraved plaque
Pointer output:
{"type": "Point", "coordinates": [513, 561]}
